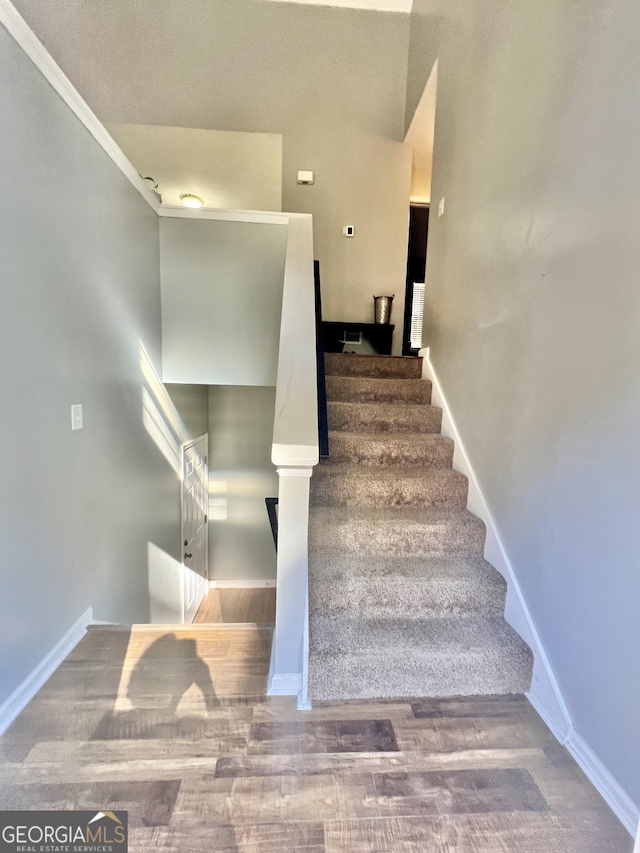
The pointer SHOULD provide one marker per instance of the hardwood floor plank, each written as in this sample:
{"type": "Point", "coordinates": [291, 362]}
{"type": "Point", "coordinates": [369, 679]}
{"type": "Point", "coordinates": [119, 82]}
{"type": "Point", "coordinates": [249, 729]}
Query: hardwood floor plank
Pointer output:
{"type": "Point", "coordinates": [397, 835]}
{"type": "Point", "coordinates": [312, 736]}
{"type": "Point", "coordinates": [148, 803]}
{"type": "Point", "coordinates": [283, 709]}
{"type": "Point", "coordinates": [476, 706]}
{"type": "Point", "coordinates": [500, 833]}
{"type": "Point", "coordinates": [461, 791]}
{"type": "Point", "coordinates": [308, 764]}
{"type": "Point", "coordinates": [449, 733]}
{"type": "Point", "coordinates": [305, 837]}
{"type": "Point", "coordinates": [270, 799]}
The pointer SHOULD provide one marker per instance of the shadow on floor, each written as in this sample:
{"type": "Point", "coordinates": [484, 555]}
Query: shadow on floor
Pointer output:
{"type": "Point", "coordinates": [155, 690]}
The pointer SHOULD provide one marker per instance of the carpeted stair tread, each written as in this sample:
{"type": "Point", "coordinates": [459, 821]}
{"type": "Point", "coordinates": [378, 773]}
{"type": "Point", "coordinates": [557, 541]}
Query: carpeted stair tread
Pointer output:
{"type": "Point", "coordinates": [347, 485]}
{"type": "Point", "coordinates": [387, 586]}
{"type": "Point", "coordinates": [366, 389]}
{"type": "Point", "coordinates": [349, 364]}
{"type": "Point", "coordinates": [426, 449]}
{"type": "Point", "coordinates": [383, 417]}
{"type": "Point", "coordinates": [399, 530]}
{"type": "Point", "coordinates": [430, 657]}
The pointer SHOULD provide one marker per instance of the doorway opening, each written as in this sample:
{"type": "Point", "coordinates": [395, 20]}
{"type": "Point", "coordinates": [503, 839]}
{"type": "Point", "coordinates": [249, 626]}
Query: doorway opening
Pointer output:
{"type": "Point", "coordinates": [416, 268]}
{"type": "Point", "coordinates": [420, 136]}
{"type": "Point", "coordinates": [227, 557]}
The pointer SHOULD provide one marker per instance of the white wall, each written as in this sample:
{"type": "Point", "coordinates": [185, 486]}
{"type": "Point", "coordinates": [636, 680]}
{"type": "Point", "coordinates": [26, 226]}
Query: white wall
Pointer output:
{"type": "Point", "coordinates": [227, 169]}
{"type": "Point", "coordinates": [533, 321]}
{"type": "Point", "coordinates": [420, 138]}
{"type": "Point", "coordinates": [241, 476]}
{"type": "Point", "coordinates": [221, 301]}
{"type": "Point", "coordinates": [80, 295]}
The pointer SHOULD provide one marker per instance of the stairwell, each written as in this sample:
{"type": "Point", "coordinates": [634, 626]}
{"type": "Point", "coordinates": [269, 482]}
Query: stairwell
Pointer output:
{"type": "Point", "coordinates": [401, 601]}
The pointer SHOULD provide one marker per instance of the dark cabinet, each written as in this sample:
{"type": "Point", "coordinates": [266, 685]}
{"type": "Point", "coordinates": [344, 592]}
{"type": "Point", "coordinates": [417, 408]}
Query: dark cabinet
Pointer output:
{"type": "Point", "coordinates": [358, 337]}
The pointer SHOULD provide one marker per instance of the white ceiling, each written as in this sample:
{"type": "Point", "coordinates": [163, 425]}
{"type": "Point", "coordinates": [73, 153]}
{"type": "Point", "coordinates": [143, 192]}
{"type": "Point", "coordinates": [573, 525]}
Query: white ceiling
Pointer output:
{"type": "Point", "coordinates": [378, 5]}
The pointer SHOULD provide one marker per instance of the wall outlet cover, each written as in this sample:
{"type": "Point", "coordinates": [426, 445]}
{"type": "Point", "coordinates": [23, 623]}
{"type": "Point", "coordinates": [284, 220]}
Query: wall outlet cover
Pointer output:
{"type": "Point", "coordinates": [76, 416]}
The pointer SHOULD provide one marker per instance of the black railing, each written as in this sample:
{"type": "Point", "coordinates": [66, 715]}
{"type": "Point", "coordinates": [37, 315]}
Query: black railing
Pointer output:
{"type": "Point", "coordinates": [323, 424]}
{"type": "Point", "coordinates": [272, 512]}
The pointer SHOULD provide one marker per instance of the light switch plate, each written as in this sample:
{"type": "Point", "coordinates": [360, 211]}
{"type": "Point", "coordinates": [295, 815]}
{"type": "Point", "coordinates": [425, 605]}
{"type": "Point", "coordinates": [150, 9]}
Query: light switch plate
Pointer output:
{"type": "Point", "coordinates": [441, 208]}
{"type": "Point", "coordinates": [76, 416]}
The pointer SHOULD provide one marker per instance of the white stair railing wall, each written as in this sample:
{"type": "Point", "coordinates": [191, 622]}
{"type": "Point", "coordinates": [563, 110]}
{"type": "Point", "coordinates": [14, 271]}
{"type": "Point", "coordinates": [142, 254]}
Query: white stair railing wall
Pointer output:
{"type": "Point", "coordinates": [295, 452]}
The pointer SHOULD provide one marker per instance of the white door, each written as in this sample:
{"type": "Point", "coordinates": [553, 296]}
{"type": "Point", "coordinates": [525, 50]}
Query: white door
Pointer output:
{"type": "Point", "coordinates": [195, 494]}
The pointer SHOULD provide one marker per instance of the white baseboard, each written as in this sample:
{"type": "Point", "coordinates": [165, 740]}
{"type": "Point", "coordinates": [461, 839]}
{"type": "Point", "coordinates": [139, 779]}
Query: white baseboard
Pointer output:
{"type": "Point", "coordinates": [269, 583]}
{"type": "Point", "coordinates": [545, 695]}
{"type": "Point", "coordinates": [285, 684]}
{"type": "Point", "coordinates": [23, 694]}
{"type": "Point", "coordinates": [618, 799]}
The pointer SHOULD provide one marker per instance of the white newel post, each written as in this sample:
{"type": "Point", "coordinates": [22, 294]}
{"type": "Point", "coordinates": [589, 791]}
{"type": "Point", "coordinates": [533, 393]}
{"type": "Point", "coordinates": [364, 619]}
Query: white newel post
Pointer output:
{"type": "Point", "coordinates": [289, 656]}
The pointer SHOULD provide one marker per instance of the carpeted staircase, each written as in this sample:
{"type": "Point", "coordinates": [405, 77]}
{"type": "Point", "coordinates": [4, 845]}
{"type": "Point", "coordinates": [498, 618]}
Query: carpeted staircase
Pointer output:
{"type": "Point", "coordinates": [401, 601]}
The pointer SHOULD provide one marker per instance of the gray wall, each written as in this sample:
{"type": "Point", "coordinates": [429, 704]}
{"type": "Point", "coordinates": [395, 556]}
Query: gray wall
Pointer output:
{"type": "Point", "coordinates": [241, 476]}
{"type": "Point", "coordinates": [533, 316]}
{"type": "Point", "coordinates": [221, 301]}
{"type": "Point", "coordinates": [192, 402]}
{"type": "Point", "coordinates": [331, 81]}
{"type": "Point", "coordinates": [80, 293]}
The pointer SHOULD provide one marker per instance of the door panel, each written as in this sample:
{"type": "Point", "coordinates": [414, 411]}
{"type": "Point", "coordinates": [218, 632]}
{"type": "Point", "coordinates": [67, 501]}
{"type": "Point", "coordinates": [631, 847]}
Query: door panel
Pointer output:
{"type": "Point", "coordinates": [194, 525]}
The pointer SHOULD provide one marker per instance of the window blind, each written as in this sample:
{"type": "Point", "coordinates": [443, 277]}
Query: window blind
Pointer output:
{"type": "Point", "coordinates": [417, 314]}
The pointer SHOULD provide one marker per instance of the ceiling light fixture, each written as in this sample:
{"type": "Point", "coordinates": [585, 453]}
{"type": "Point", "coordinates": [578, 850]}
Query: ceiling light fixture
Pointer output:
{"type": "Point", "coordinates": [190, 200]}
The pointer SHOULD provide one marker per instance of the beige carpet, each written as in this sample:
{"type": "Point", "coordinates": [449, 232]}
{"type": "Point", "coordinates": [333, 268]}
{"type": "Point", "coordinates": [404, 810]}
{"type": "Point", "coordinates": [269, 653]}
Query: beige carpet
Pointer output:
{"type": "Point", "coordinates": [402, 603]}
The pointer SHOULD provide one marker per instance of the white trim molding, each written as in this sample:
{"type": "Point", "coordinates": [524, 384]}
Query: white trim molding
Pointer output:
{"type": "Point", "coordinates": [617, 798]}
{"type": "Point", "coordinates": [545, 694]}
{"type": "Point", "coordinates": [266, 217]}
{"type": "Point", "coordinates": [285, 684]}
{"type": "Point", "coordinates": [251, 583]}
{"type": "Point", "coordinates": [25, 692]}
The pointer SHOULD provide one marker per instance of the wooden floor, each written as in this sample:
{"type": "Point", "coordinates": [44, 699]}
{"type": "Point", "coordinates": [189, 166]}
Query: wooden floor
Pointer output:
{"type": "Point", "coordinates": [238, 605]}
{"type": "Point", "coordinates": [175, 727]}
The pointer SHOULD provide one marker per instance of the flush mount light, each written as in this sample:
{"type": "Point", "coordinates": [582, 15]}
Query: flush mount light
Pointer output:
{"type": "Point", "coordinates": [190, 200]}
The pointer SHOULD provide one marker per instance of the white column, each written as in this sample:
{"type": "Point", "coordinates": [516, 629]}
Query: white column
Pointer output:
{"type": "Point", "coordinates": [287, 675]}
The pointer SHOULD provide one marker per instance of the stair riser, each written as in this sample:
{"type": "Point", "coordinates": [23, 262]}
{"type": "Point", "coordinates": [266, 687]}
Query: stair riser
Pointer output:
{"type": "Point", "coordinates": [386, 598]}
{"type": "Point", "coordinates": [340, 677]}
{"type": "Point", "coordinates": [349, 389]}
{"type": "Point", "coordinates": [344, 490]}
{"type": "Point", "coordinates": [344, 447]}
{"type": "Point", "coordinates": [372, 365]}
{"type": "Point", "coordinates": [367, 418]}
{"type": "Point", "coordinates": [405, 538]}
